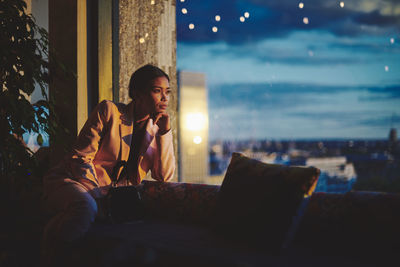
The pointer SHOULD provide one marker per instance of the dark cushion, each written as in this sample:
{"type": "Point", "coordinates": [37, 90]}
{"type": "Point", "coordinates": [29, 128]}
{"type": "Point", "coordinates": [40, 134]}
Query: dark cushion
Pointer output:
{"type": "Point", "coordinates": [258, 202]}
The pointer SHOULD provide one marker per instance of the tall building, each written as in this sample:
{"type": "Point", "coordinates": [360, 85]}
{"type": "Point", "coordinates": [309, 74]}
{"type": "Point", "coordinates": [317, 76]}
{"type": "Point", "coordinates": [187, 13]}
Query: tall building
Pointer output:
{"type": "Point", "coordinates": [193, 127]}
{"type": "Point", "coordinates": [393, 142]}
{"type": "Point", "coordinates": [393, 135]}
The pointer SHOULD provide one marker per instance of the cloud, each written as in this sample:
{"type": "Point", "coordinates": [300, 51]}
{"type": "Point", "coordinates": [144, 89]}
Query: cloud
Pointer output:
{"type": "Point", "coordinates": [283, 110]}
{"type": "Point", "coordinates": [384, 7]}
{"type": "Point", "coordinates": [293, 51]}
{"type": "Point", "coordinates": [381, 121]}
{"type": "Point", "coordinates": [345, 119]}
{"type": "Point", "coordinates": [383, 93]}
{"type": "Point", "coordinates": [239, 123]}
{"type": "Point", "coordinates": [302, 57]}
{"type": "Point", "coordinates": [377, 19]}
{"type": "Point", "coordinates": [335, 105]}
{"type": "Point", "coordinates": [287, 94]}
{"type": "Point", "coordinates": [269, 19]}
{"type": "Point", "coordinates": [269, 96]}
{"type": "Point", "coordinates": [300, 48]}
{"type": "Point", "coordinates": [274, 76]}
{"type": "Point", "coordinates": [370, 46]}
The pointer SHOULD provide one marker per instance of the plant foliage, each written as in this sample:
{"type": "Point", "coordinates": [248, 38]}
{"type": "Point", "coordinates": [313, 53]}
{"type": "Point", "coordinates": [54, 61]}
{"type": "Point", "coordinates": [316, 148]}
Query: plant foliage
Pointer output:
{"type": "Point", "coordinates": [24, 66]}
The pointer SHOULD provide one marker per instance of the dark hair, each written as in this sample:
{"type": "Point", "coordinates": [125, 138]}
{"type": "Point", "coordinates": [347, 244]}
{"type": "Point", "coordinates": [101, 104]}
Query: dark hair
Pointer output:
{"type": "Point", "coordinates": [142, 77]}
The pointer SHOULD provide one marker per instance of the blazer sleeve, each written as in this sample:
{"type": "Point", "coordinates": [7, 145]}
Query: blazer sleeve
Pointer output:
{"type": "Point", "coordinates": [87, 144]}
{"type": "Point", "coordinates": [164, 161]}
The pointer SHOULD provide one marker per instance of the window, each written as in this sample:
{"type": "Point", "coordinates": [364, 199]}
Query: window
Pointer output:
{"type": "Point", "coordinates": [304, 83]}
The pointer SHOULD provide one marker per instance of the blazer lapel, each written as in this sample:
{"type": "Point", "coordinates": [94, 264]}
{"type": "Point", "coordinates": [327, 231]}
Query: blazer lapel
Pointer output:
{"type": "Point", "coordinates": [125, 130]}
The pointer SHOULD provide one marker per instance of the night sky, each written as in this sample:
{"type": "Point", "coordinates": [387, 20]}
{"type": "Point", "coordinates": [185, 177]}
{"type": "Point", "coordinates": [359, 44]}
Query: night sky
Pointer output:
{"type": "Point", "coordinates": [326, 70]}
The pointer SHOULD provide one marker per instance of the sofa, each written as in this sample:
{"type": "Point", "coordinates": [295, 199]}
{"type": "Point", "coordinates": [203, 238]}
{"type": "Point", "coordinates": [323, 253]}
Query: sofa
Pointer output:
{"type": "Point", "coordinates": [178, 229]}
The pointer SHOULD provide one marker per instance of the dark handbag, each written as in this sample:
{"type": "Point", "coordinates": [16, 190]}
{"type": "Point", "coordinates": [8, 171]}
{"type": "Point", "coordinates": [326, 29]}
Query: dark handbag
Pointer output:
{"type": "Point", "coordinates": [124, 203]}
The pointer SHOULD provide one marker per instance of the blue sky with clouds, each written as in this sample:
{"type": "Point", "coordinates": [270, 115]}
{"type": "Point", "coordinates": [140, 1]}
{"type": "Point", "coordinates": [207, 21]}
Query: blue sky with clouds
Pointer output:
{"type": "Point", "coordinates": [273, 76]}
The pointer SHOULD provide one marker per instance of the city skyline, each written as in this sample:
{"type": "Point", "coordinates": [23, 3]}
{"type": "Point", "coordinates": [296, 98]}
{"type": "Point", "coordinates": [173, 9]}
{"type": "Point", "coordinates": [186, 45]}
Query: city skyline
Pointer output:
{"type": "Point", "coordinates": [295, 70]}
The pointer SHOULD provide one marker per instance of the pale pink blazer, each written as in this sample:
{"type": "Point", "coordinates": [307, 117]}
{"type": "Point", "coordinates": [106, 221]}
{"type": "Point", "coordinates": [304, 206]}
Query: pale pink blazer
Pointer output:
{"type": "Point", "coordinates": [106, 139]}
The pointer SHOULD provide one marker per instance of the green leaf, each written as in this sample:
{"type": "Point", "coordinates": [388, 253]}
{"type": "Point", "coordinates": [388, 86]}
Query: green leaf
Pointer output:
{"type": "Point", "coordinates": [25, 56]}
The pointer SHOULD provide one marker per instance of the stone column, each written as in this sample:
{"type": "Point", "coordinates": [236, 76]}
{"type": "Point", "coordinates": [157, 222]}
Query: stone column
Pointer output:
{"type": "Point", "coordinates": [147, 34]}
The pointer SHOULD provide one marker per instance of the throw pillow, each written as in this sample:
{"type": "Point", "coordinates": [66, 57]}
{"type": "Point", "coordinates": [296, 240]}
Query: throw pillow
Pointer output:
{"type": "Point", "coordinates": [258, 202]}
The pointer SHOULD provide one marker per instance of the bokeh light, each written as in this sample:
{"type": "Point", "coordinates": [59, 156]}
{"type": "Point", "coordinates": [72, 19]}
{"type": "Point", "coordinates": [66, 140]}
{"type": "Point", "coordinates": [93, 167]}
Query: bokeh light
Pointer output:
{"type": "Point", "coordinates": [242, 19]}
{"type": "Point", "coordinates": [341, 4]}
{"type": "Point", "coordinates": [184, 11]}
{"type": "Point", "coordinates": [246, 15]}
{"type": "Point", "coordinates": [301, 5]}
{"type": "Point", "coordinates": [195, 121]}
{"type": "Point", "coordinates": [305, 20]}
{"type": "Point", "coordinates": [191, 26]}
{"type": "Point", "coordinates": [197, 139]}
{"type": "Point", "coordinates": [217, 18]}
{"type": "Point", "coordinates": [214, 29]}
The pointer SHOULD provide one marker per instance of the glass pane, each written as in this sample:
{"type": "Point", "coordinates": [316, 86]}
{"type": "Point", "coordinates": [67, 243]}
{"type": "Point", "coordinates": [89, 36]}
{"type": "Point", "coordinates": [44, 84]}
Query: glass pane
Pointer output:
{"type": "Point", "coordinates": [299, 83]}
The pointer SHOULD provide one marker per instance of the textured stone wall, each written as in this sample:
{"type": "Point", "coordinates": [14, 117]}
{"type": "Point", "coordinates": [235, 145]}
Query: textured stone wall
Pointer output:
{"type": "Point", "coordinates": [147, 34]}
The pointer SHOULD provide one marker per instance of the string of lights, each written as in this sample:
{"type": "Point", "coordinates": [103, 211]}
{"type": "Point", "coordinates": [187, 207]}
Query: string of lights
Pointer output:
{"type": "Point", "coordinates": [214, 28]}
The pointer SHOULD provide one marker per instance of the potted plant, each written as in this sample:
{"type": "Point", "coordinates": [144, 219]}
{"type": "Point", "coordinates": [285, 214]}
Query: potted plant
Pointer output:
{"type": "Point", "coordinates": [24, 66]}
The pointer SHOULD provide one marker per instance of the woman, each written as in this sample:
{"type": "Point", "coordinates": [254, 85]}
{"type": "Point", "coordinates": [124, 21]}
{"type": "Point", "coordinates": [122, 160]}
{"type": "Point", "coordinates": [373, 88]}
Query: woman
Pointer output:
{"type": "Point", "coordinates": [139, 133]}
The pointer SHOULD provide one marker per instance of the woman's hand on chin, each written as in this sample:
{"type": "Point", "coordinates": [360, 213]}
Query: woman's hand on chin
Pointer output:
{"type": "Point", "coordinates": [163, 122]}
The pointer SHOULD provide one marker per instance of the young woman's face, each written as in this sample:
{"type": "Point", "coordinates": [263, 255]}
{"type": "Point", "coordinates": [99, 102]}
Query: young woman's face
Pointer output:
{"type": "Point", "coordinates": [157, 96]}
